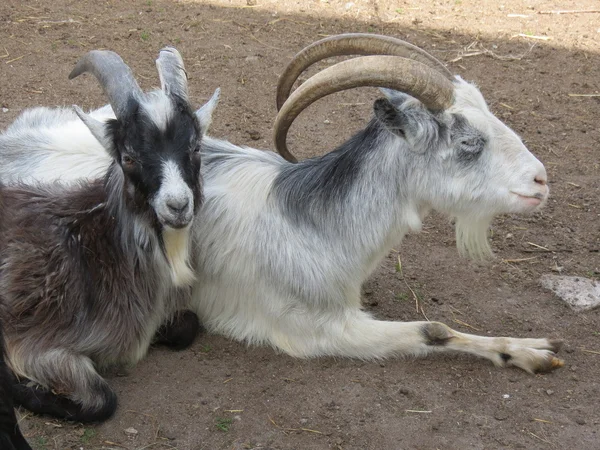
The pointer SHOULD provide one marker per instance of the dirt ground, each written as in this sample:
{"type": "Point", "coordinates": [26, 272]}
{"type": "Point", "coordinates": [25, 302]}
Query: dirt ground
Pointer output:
{"type": "Point", "coordinates": [539, 72]}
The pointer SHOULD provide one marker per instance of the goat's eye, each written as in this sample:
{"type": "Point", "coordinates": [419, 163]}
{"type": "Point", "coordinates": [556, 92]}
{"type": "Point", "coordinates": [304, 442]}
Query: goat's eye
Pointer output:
{"type": "Point", "coordinates": [128, 161]}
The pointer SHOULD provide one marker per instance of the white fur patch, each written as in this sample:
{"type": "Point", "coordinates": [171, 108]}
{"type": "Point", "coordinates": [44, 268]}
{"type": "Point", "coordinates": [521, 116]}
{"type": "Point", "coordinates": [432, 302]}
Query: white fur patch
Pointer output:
{"type": "Point", "coordinates": [173, 189]}
{"type": "Point", "coordinates": [177, 249]}
{"type": "Point", "coordinates": [158, 108]}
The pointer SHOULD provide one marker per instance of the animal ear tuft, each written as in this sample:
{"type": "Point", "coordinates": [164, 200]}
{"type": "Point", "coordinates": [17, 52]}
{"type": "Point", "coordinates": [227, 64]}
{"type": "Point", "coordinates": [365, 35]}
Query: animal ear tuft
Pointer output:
{"type": "Point", "coordinates": [391, 117]}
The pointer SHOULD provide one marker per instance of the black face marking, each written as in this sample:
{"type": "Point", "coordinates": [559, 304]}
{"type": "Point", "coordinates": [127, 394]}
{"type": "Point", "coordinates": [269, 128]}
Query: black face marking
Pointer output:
{"type": "Point", "coordinates": [141, 148]}
{"type": "Point", "coordinates": [435, 334]}
{"type": "Point", "coordinates": [505, 357]}
{"type": "Point", "coordinates": [467, 140]}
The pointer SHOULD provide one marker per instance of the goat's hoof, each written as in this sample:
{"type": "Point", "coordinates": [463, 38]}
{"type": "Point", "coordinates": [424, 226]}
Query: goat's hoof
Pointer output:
{"type": "Point", "coordinates": [549, 364]}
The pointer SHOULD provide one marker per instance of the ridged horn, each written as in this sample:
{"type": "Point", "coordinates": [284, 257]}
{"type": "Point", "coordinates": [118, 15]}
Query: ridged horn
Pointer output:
{"type": "Point", "coordinates": [433, 89]}
{"type": "Point", "coordinates": [114, 76]}
{"type": "Point", "coordinates": [173, 77]}
{"type": "Point", "coordinates": [351, 44]}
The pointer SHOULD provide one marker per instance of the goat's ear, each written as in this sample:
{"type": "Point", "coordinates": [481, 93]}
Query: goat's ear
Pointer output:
{"type": "Point", "coordinates": [204, 114]}
{"type": "Point", "coordinates": [395, 97]}
{"type": "Point", "coordinates": [97, 128]}
{"type": "Point", "coordinates": [390, 116]}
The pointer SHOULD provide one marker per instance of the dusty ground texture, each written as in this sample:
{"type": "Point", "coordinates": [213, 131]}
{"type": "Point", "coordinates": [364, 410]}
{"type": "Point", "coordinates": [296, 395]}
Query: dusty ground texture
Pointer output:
{"type": "Point", "coordinates": [224, 395]}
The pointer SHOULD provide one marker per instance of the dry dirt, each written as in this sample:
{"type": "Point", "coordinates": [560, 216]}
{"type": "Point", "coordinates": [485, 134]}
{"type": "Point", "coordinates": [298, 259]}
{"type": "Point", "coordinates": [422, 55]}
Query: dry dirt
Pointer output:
{"type": "Point", "coordinates": [224, 395]}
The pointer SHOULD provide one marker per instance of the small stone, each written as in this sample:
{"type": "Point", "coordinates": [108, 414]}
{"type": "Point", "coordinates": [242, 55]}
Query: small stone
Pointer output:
{"type": "Point", "coordinates": [549, 391]}
{"type": "Point", "coordinates": [131, 431]}
{"type": "Point", "coordinates": [581, 294]}
{"type": "Point", "coordinates": [501, 415]}
{"type": "Point", "coordinates": [580, 421]}
{"type": "Point", "coordinates": [4, 109]}
{"type": "Point", "coordinates": [327, 121]}
{"type": "Point", "coordinates": [303, 421]}
{"type": "Point", "coordinates": [254, 135]}
{"type": "Point", "coordinates": [506, 396]}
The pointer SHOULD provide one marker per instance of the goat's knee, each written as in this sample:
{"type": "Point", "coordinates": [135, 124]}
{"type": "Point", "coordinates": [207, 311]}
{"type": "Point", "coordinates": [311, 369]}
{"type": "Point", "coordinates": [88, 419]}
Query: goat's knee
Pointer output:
{"type": "Point", "coordinates": [180, 332]}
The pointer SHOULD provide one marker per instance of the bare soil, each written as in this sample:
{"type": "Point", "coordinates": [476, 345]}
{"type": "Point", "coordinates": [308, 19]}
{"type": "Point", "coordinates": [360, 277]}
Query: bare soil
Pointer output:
{"type": "Point", "coordinates": [225, 395]}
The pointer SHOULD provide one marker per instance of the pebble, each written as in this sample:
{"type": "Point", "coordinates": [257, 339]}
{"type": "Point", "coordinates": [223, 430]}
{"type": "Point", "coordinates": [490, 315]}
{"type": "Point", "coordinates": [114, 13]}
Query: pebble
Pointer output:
{"type": "Point", "coordinates": [131, 431]}
{"type": "Point", "coordinates": [501, 415]}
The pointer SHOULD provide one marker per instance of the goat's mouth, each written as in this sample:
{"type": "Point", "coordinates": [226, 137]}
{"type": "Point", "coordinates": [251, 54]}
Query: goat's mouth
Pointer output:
{"type": "Point", "coordinates": [175, 222]}
{"type": "Point", "coordinates": [532, 200]}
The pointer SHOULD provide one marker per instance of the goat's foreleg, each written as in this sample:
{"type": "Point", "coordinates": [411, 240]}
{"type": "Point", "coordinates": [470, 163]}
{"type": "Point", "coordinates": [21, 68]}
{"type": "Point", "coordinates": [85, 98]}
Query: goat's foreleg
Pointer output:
{"type": "Point", "coordinates": [180, 331]}
{"type": "Point", "coordinates": [360, 336]}
{"type": "Point", "coordinates": [64, 385]}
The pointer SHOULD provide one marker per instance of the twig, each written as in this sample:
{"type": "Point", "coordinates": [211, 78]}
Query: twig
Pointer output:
{"type": "Point", "coordinates": [263, 43]}
{"type": "Point", "coordinates": [293, 429]}
{"type": "Point", "coordinates": [465, 324]}
{"type": "Point", "coordinates": [541, 439]}
{"type": "Point", "coordinates": [589, 351]}
{"type": "Point", "coordinates": [507, 261]}
{"type": "Point", "coordinates": [537, 246]}
{"type": "Point", "coordinates": [571, 11]}
{"type": "Point", "coordinates": [584, 95]}
{"type": "Point", "coordinates": [530, 36]}
{"type": "Point", "coordinates": [15, 59]}
{"type": "Point", "coordinates": [417, 411]}
{"type": "Point", "coordinates": [466, 53]}
{"type": "Point", "coordinates": [114, 443]}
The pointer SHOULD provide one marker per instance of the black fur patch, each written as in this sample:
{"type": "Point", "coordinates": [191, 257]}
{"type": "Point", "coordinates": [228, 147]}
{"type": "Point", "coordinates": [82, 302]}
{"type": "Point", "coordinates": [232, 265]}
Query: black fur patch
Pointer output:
{"type": "Point", "coordinates": [505, 357]}
{"type": "Point", "coordinates": [10, 434]}
{"type": "Point", "coordinates": [42, 401]}
{"type": "Point", "coordinates": [180, 332]}
{"type": "Point", "coordinates": [435, 334]}
{"type": "Point", "coordinates": [313, 184]}
{"type": "Point", "coordinates": [467, 140]}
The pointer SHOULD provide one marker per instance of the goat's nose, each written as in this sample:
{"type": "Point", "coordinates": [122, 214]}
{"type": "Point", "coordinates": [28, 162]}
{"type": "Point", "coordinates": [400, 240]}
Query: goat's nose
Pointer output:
{"type": "Point", "coordinates": [541, 179]}
{"type": "Point", "coordinates": [178, 205]}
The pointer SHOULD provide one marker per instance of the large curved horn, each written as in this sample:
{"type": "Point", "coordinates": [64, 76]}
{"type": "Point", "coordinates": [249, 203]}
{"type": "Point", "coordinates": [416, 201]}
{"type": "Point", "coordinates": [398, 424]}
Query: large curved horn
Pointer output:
{"type": "Point", "coordinates": [434, 90]}
{"type": "Point", "coordinates": [173, 77]}
{"type": "Point", "coordinates": [114, 76]}
{"type": "Point", "coordinates": [351, 44]}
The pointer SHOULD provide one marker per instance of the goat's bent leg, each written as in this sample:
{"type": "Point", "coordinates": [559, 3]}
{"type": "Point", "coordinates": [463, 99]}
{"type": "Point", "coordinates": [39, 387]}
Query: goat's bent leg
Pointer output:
{"type": "Point", "coordinates": [64, 385]}
{"type": "Point", "coordinates": [361, 336]}
{"type": "Point", "coordinates": [179, 332]}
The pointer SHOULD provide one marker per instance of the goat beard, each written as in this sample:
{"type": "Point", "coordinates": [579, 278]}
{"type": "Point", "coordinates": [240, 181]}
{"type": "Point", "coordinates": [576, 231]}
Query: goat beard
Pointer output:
{"type": "Point", "coordinates": [472, 237]}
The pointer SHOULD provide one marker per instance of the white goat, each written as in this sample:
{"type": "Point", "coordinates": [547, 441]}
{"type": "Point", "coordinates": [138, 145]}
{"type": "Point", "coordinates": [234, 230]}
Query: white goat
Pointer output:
{"type": "Point", "coordinates": [283, 248]}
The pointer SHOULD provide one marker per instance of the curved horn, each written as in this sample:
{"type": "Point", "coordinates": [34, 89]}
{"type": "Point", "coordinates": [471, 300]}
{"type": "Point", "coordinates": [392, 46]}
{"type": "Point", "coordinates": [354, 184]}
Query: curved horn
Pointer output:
{"type": "Point", "coordinates": [173, 77]}
{"type": "Point", "coordinates": [393, 72]}
{"type": "Point", "coordinates": [351, 44]}
{"type": "Point", "coordinates": [114, 76]}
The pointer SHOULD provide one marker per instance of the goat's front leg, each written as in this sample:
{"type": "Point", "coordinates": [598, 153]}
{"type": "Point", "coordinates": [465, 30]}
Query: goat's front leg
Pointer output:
{"type": "Point", "coordinates": [358, 335]}
{"type": "Point", "coordinates": [532, 355]}
{"type": "Point", "coordinates": [64, 385]}
{"type": "Point", "coordinates": [180, 331]}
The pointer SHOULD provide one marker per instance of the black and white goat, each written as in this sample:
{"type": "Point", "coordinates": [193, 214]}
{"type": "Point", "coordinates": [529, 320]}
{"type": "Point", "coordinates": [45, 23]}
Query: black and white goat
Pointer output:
{"type": "Point", "coordinates": [90, 270]}
{"type": "Point", "coordinates": [10, 434]}
{"type": "Point", "coordinates": [284, 248]}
